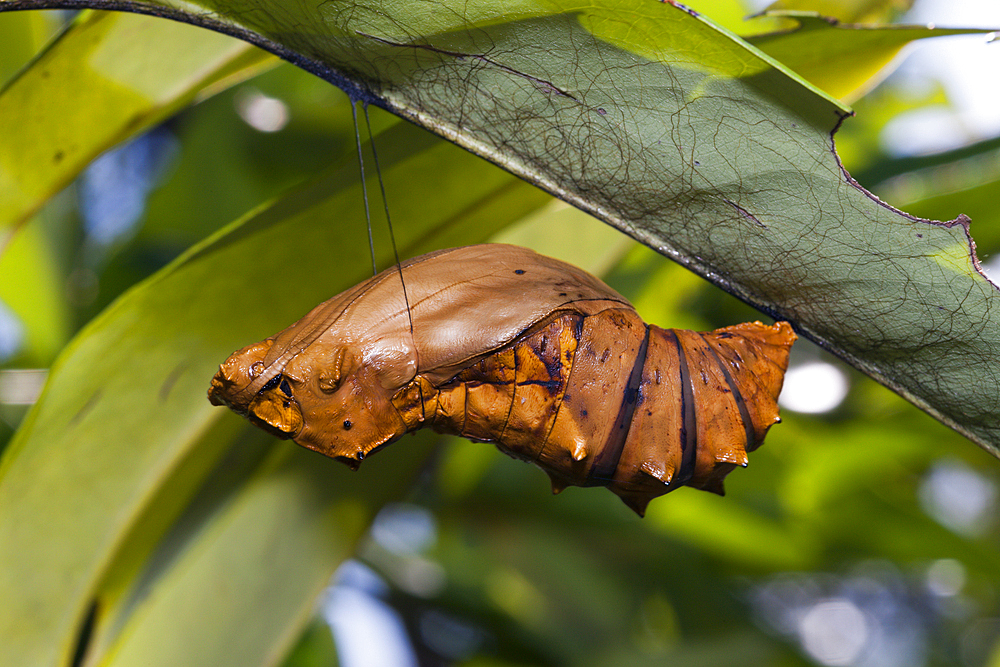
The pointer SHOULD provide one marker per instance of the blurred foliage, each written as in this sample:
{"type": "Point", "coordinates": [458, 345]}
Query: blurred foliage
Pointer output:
{"type": "Point", "coordinates": [847, 11]}
{"type": "Point", "coordinates": [833, 501]}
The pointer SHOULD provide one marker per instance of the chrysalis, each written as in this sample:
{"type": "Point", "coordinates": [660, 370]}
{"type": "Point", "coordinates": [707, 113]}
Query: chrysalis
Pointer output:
{"type": "Point", "coordinates": [542, 359]}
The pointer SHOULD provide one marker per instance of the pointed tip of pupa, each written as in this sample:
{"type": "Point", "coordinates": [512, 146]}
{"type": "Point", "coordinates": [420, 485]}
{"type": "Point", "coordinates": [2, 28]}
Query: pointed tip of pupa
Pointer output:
{"type": "Point", "coordinates": [350, 461]}
{"type": "Point", "coordinates": [743, 460]}
{"type": "Point", "coordinates": [558, 485]}
{"type": "Point", "coordinates": [636, 504]}
{"type": "Point", "coordinates": [715, 486]}
{"type": "Point", "coordinates": [663, 475]}
{"type": "Point", "coordinates": [735, 454]}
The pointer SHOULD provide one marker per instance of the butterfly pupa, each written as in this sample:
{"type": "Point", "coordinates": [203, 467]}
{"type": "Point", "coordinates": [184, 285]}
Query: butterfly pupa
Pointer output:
{"type": "Point", "coordinates": [500, 344]}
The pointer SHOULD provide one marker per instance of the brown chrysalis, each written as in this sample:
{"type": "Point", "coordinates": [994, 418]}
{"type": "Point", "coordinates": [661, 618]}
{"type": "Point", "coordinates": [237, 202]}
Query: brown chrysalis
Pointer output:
{"type": "Point", "coordinates": [544, 360]}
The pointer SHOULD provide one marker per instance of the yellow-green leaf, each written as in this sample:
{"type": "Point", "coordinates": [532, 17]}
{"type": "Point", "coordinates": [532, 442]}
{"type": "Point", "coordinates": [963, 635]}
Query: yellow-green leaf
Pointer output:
{"type": "Point", "coordinates": [97, 85]}
{"type": "Point", "coordinates": [124, 416]}
{"type": "Point", "coordinates": [848, 11]}
{"type": "Point", "coordinates": [846, 60]}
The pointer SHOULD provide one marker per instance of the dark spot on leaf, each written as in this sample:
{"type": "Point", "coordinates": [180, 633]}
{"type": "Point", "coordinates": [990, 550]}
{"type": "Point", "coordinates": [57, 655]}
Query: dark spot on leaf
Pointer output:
{"type": "Point", "coordinates": [87, 407]}
{"type": "Point", "coordinates": [171, 380]}
{"type": "Point", "coordinates": [58, 156]}
{"type": "Point", "coordinates": [85, 634]}
{"type": "Point", "coordinates": [601, 111]}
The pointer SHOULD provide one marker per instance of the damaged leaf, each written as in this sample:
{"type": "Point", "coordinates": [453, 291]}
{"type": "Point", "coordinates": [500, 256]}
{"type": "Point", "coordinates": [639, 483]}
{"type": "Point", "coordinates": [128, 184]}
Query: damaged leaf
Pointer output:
{"type": "Point", "coordinates": [688, 140]}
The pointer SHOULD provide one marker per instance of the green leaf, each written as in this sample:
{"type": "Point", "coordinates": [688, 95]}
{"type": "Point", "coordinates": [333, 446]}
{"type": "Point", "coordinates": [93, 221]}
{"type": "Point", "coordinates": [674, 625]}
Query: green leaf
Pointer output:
{"type": "Point", "coordinates": [314, 649]}
{"type": "Point", "coordinates": [226, 167]}
{"type": "Point", "coordinates": [845, 60]}
{"type": "Point", "coordinates": [256, 570]}
{"type": "Point", "coordinates": [967, 181]}
{"type": "Point", "coordinates": [730, 14]}
{"type": "Point", "coordinates": [22, 34]}
{"type": "Point", "coordinates": [100, 509]}
{"type": "Point", "coordinates": [848, 11]}
{"type": "Point", "coordinates": [687, 139]}
{"type": "Point", "coordinates": [85, 97]}
{"type": "Point", "coordinates": [727, 529]}
{"type": "Point", "coordinates": [33, 288]}
{"type": "Point", "coordinates": [124, 415]}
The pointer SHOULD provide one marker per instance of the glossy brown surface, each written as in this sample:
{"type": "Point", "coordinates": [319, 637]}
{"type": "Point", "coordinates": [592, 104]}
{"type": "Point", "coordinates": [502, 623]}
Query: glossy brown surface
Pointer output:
{"type": "Point", "coordinates": [530, 353]}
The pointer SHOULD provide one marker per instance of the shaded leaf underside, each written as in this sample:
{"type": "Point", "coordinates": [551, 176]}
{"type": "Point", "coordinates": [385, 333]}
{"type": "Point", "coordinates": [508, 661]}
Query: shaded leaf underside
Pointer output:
{"type": "Point", "coordinates": [684, 138]}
